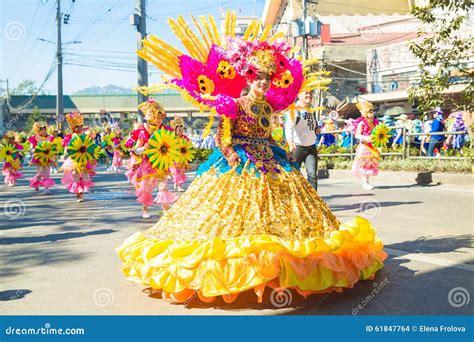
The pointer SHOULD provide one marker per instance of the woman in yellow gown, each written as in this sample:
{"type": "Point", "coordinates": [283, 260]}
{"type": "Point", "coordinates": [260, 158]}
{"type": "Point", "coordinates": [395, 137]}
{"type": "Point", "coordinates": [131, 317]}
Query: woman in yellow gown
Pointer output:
{"type": "Point", "coordinates": [250, 220]}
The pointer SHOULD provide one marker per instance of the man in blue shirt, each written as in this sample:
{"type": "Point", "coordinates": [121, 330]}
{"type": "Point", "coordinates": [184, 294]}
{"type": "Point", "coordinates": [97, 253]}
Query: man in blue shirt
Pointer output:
{"type": "Point", "coordinates": [436, 126]}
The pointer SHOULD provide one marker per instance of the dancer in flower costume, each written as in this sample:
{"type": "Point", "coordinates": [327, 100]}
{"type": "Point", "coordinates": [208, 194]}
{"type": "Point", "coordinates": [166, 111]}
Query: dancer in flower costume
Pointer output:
{"type": "Point", "coordinates": [178, 171]}
{"type": "Point", "coordinates": [249, 220]}
{"type": "Point", "coordinates": [92, 164]}
{"type": "Point", "coordinates": [140, 171]}
{"type": "Point", "coordinates": [116, 140]}
{"type": "Point", "coordinates": [58, 141]}
{"type": "Point", "coordinates": [80, 150]}
{"type": "Point", "coordinates": [10, 151]}
{"type": "Point", "coordinates": [42, 177]}
{"type": "Point", "coordinates": [371, 136]}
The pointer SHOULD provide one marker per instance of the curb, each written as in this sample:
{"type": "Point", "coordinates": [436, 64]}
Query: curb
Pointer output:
{"type": "Point", "coordinates": [416, 177]}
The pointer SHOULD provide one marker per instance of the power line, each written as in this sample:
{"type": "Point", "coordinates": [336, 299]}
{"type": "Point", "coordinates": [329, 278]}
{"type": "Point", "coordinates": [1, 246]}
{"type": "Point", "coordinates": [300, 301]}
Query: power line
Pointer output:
{"type": "Point", "coordinates": [27, 36]}
{"type": "Point", "coordinates": [111, 29]}
{"type": "Point", "coordinates": [102, 62]}
{"type": "Point", "coordinates": [201, 9]}
{"type": "Point", "coordinates": [112, 7]}
{"type": "Point", "coordinates": [35, 94]}
{"type": "Point", "coordinates": [111, 68]}
{"type": "Point", "coordinates": [111, 51]}
{"type": "Point", "coordinates": [91, 55]}
{"type": "Point", "coordinates": [33, 46]}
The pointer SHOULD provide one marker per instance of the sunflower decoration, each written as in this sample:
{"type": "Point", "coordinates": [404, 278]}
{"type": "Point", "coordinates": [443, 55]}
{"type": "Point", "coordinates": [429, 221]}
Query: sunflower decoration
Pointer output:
{"type": "Point", "coordinates": [164, 149]}
{"type": "Point", "coordinates": [279, 136]}
{"type": "Point", "coordinates": [82, 149]}
{"type": "Point", "coordinates": [380, 135]}
{"type": "Point", "coordinates": [186, 151]}
{"type": "Point", "coordinates": [98, 152]}
{"type": "Point", "coordinates": [124, 150]}
{"type": "Point", "coordinates": [45, 152]}
{"type": "Point", "coordinates": [58, 141]}
{"type": "Point", "coordinates": [8, 152]}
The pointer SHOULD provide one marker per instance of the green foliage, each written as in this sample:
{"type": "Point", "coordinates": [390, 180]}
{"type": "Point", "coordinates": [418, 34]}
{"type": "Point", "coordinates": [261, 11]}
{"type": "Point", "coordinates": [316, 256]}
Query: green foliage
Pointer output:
{"type": "Point", "coordinates": [441, 54]}
{"type": "Point", "coordinates": [35, 116]}
{"type": "Point", "coordinates": [408, 165]}
{"type": "Point", "coordinates": [202, 154]}
{"type": "Point", "coordinates": [199, 123]}
{"type": "Point", "coordinates": [27, 87]}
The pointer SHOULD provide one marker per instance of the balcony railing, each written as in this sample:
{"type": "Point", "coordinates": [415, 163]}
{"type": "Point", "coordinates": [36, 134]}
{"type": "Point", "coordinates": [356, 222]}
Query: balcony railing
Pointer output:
{"type": "Point", "coordinates": [404, 151]}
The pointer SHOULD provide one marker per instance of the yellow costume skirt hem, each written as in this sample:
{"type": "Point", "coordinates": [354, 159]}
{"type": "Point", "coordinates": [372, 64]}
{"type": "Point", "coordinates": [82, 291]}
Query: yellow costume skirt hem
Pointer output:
{"type": "Point", "coordinates": [218, 267]}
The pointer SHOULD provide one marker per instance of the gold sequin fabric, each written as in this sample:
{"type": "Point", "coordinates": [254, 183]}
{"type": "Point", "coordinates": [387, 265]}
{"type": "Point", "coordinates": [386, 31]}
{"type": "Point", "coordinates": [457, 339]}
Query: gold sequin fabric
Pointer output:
{"type": "Point", "coordinates": [253, 118]}
{"type": "Point", "coordinates": [233, 205]}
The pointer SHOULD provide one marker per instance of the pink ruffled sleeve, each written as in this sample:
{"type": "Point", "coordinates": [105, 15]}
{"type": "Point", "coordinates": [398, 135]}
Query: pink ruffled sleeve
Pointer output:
{"type": "Point", "coordinates": [66, 140]}
{"type": "Point", "coordinates": [33, 141]}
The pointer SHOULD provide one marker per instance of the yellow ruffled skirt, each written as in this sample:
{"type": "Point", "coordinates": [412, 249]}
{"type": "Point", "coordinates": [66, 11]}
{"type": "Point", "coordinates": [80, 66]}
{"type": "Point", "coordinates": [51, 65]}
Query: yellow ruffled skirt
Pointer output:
{"type": "Point", "coordinates": [234, 232]}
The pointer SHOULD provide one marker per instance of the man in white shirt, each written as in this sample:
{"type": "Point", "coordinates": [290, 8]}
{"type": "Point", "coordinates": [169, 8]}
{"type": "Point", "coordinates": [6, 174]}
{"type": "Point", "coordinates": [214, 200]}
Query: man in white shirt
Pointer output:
{"type": "Point", "coordinates": [301, 136]}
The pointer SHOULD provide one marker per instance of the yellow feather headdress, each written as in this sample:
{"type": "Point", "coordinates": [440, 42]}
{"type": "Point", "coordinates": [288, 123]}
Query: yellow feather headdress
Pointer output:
{"type": "Point", "coordinates": [177, 122]}
{"type": "Point", "coordinates": [75, 119]}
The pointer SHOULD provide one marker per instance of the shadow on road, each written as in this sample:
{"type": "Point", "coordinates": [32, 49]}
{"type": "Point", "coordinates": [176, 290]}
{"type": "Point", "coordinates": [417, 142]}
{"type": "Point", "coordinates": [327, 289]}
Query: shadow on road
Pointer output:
{"type": "Point", "coordinates": [9, 295]}
{"type": "Point", "coordinates": [365, 206]}
{"type": "Point", "coordinates": [382, 187]}
{"type": "Point", "coordinates": [52, 237]}
{"type": "Point", "coordinates": [330, 197]}
{"type": "Point", "coordinates": [427, 244]}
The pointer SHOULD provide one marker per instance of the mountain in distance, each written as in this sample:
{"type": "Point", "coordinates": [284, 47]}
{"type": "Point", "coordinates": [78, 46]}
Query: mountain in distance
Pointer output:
{"type": "Point", "coordinates": [105, 90]}
{"type": "Point", "coordinates": [114, 90]}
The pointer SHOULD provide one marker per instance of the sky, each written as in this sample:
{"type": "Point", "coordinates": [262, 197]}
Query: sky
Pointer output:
{"type": "Point", "coordinates": [107, 40]}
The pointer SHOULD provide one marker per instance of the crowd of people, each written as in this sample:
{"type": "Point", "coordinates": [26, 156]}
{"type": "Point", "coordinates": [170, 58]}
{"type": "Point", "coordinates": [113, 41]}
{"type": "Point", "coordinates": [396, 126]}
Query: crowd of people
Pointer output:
{"type": "Point", "coordinates": [201, 141]}
{"type": "Point", "coordinates": [46, 147]}
{"type": "Point", "coordinates": [429, 144]}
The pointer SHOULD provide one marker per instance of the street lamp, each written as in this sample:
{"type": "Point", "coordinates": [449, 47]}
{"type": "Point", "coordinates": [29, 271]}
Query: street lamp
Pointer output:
{"type": "Point", "coordinates": [50, 41]}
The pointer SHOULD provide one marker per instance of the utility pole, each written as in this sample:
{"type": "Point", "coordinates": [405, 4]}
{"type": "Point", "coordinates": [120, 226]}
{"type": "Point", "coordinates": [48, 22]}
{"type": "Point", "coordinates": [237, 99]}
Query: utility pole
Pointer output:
{"type": "Point", "coordinates": [320, 91]}
{"type": "Point", "coordinates": [59, 56]}
{"type": "Point", "coordinates": [305, 36]}
{"type": "Point", "coordinates": [139, 20]}
{"type": "Point", "coordinates": [3, 99]}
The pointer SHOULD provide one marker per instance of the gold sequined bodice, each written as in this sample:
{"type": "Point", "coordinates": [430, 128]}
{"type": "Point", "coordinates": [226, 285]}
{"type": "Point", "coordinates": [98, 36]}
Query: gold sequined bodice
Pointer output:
{"type": "Point", "coordinates": [253, 118]}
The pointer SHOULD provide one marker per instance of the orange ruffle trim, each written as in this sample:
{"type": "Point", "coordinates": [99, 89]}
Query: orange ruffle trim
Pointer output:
{"type": "Point", "coordinates": [212, 268]}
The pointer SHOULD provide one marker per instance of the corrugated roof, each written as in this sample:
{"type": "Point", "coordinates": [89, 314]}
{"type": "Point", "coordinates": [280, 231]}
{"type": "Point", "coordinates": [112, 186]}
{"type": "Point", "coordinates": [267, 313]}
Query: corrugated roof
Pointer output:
{"type": "Point", "coordinates": [96, 103]}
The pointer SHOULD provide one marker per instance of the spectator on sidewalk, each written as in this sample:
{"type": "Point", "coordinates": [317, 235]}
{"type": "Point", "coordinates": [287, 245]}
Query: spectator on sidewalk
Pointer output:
{"type": "Point", "coordinates": [438, 125]}
{"type": "Point", "coordinates": [393, 82]}
{"type": "Point", "coordinates": [301, 135]}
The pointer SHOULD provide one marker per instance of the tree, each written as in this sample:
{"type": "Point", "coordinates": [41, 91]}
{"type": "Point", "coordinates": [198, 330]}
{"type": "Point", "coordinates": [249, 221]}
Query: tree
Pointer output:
{"type": "Point", "coordinates": [27, 87]}
{"type": "Point", "coordinates": [199, 123]}
{"type": "Point", "coordinates": [35, 116]}
{"type": "Point", "coordinates": [442, 55]}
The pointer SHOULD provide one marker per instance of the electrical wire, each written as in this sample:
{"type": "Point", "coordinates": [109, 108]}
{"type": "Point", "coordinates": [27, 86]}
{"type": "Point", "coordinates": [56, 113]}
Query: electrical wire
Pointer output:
{"type": "Point", "coordinates": [15, 70]}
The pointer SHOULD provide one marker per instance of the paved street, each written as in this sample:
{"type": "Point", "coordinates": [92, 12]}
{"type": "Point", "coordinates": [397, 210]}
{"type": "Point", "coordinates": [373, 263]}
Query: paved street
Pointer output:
{"type": "Point", "coordinates": [58, 257]}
